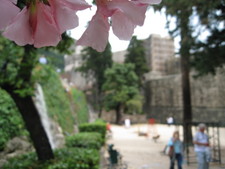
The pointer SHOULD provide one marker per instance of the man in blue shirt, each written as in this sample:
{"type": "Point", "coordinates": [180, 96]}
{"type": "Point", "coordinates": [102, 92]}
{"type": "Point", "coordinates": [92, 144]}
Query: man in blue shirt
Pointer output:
{"type": "Point", "coordinates": [201, 141]}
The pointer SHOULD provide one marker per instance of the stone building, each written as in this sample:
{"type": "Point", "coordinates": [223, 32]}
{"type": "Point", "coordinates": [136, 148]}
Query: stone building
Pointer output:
{"type": "Point", "coordinates": [163, 87]}
{"type": "Point", "coordinates": [73, 77]}
{"type": "Point", "coordinates": [164, 98]}
{"type": "Point", "coordinates": [163, 84]}
{"type": "Point", "coordinates": [119, 57]}
{"type": "Point", "coordinates": [74, 61]}
{"type": "Point", "coordinates": [159, 56]}
{"type": "Point", "coordinates": [159, 50]}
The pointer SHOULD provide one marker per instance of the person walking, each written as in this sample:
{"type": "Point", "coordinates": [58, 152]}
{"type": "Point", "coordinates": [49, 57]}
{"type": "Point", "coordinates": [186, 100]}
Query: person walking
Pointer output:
{"type": "Point", "coordinates": [201, 142]}
{"type": "Point", "coordinates": [176, 146]}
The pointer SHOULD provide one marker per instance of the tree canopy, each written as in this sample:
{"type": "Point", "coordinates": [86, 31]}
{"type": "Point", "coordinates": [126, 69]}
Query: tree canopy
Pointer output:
{"type": "Point", "coordinates": [136, 55]}
{"type": "Point", "coordinates": [95, 63]}
{"type": "Point", "coordinates": [210, 54]}
{"type": "Point", "coordinates": [93, 67]}
{"type": "Point", "coordinates": [121, 90]}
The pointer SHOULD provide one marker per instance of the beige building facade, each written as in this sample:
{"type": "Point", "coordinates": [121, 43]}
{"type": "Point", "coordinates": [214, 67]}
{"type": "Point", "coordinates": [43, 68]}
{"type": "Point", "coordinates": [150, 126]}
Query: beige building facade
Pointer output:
{"type": "Point", "coordinates": [159, 51]}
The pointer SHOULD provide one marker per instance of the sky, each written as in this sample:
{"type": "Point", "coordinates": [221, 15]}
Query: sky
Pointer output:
{"type": "Point", "coordinates": [154, 24]}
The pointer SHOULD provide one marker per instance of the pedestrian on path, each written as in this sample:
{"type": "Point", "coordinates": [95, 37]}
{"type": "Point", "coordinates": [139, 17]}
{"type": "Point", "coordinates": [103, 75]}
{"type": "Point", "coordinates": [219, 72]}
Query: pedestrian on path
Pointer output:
{"type": "Point", "coordinates": [176, 148]}
{"type": "Point", "coordinates": [202, 149]}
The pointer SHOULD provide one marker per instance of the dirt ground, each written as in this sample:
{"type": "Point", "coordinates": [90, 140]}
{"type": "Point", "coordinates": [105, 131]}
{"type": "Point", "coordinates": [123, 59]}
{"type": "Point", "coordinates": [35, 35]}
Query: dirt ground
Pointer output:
{"type": "Point", "coordinates": [142, 152]}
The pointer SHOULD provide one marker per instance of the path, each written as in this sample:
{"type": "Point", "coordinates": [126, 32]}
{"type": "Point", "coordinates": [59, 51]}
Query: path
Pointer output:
{"type": "Point", "coordinates": [141, 152]}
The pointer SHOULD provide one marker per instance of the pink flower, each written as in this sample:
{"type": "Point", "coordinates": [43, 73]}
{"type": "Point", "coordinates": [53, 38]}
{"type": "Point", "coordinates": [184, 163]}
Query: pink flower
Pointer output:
{"type": "Point", "coordinates": [64, 12]}
{"type": "Point", "coordinates": [7, 12]}
{"type": "Point", "coordinates": [96, 34]}
{"type": "Point", "coordinates": [34, 25]}
{"type": "Point", "coordinates": [125, 16]}
{"type": "Point", "coordinates": [42, 25]}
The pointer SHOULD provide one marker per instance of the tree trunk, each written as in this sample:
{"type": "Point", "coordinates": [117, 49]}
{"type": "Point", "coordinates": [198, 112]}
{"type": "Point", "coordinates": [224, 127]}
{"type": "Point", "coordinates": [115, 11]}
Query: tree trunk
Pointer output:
{"type": "Point", "coordinates": [26, 105]}
{"type": "Point", "coordinates": [99, 104]}
{"type": "Point", "coordinates": [33, 124]}
{"type": "Point", "coordinates": [100, 95]}
{"type": "Point", "coordinates": [118, 114]}
{"type": "Point", "coordinates": [185, 69]}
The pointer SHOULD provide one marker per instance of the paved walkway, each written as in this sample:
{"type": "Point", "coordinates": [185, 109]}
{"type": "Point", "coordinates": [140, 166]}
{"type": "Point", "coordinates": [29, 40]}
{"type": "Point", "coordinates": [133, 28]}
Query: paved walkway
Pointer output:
{"type": "Point", "coordinates": [142, 152]}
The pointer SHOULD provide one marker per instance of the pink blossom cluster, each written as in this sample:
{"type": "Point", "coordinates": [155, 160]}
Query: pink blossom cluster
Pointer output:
{"type": "Point", "coordinates": [41, 22]}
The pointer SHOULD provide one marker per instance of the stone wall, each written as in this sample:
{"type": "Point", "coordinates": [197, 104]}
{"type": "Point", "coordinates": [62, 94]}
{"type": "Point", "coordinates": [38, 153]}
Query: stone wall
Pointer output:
{"type": "Point", "coordinates": [164, 98]}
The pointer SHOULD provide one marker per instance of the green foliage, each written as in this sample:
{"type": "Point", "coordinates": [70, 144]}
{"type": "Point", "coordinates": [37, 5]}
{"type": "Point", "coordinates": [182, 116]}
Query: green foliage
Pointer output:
{"type": "Point", "coordinates": [13, 62]}
{"type": "Point", "coordinates": [16, 62]}
{"type": "Point", "coordinates": [81, 107]}
{"type": "Point", "coordinates": [56, 98]}
{"type": "Point", "coordinates": [67, 158]}
{"type": "Point", "coordinates": [121, 86]}
{"type": "Point", "coordinates": [9, 61]}
{"type": "Point", "coordinates": [93, 67]}
{"type": "Point", "coordinates": [95, 63]}
{"type": "Point", "coordinates": [136, 56]}
{"type": "Point", "coordinates": [78, 158]}
{"type": "Point", "coordinates": [11, 123]}
{"type": "Point", "coordinates": [134, 106]}
{"type": "Point", "coordinates": [89, 140]}
{"type": "Point", "coordinates": [63, 47]}
{"type": "Point", "coordinates": [16, 67]}
{"type": "Point", "coordinates": [21, 162]}
{"type": "Point", "coordinates": [99, 127]}
{"type": "Point", "coordinates": [211, 54]}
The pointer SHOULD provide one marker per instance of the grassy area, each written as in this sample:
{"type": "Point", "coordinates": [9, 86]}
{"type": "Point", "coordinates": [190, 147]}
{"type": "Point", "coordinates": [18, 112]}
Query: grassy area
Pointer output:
{"type": "Point", "coordinates": [81, 107]}
{"type": "Point", "coordinates": [56, 98]}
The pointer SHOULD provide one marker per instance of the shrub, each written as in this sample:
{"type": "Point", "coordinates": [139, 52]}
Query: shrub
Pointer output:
{"type": "Point", "coordinates": [99, 127]}
{"type": "Point", "coordinates": [22, 162]}
{"type": "Point", "coordinates": [72, 158]}
{"type": "Point", "coordinates": [89, 140]}
{"type": "Point", "coordinates": [79, 158]}
{"type": "Point", "coordinates": [11, 123]}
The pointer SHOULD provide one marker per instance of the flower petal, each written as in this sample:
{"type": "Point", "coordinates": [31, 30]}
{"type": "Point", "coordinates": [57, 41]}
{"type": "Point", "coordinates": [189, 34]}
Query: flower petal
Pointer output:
{"type": "Point", "coordinates": [8, 11]}
{"type": "Point", "coordinates": [13, 1]}
{"type": "Point", "coordinates": [150, 1]}
{"type": "Point", "coordinates": [46, 32]}
{"type": "Point", "coordinates": [135, 12]}
{"type": "Point", "coordinates": [64, 16]}
{"type": "Point", "coordinates": [122, 26]}
{"type": "Point", "coordinates": [76, 4]}
{"type": "Point", "coordinates": [19, 30]}
{"type": "Point", "coordinates": [96, 35]}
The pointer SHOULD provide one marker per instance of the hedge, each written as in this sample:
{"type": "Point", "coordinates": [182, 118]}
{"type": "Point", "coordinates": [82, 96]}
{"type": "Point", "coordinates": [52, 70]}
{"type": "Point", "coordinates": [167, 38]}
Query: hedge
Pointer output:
{"type": "Point", "coordinates": [99, 127]}
{"type": "Point", "coordinates": [67, 158]}
{"type": "Point", "coordinates": [90, 140]}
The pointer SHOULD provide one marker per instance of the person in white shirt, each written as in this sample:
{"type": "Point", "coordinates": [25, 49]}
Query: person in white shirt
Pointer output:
{"type": "Point", "coordinates": [201, 142]}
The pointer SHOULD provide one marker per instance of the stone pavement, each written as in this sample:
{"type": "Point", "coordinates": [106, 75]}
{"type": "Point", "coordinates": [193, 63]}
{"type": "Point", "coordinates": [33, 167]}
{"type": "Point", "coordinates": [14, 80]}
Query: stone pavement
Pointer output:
{"type": "Point", "coordinates": [142, 152]}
